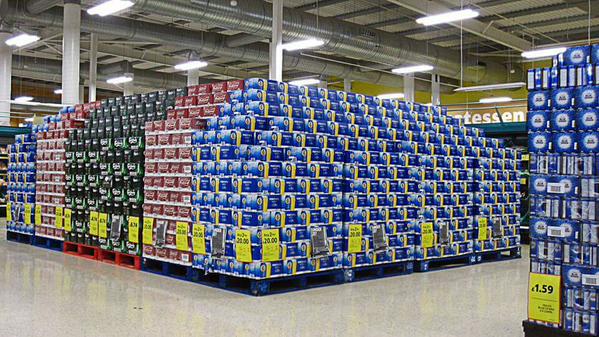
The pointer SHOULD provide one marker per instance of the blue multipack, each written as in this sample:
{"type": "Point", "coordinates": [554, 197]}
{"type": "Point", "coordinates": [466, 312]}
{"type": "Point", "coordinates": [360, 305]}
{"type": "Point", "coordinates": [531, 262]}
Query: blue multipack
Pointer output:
{"type": "Point", "coordinates": [575, 56]}
{"type": "Point", "coordinates": [538, 100]}
{"type": "Point", "coordinates": [561, 98]}
{"type": "Point", "coordinates": [587, 97]}
{"type": "Point", "coordinates": [563, 120]}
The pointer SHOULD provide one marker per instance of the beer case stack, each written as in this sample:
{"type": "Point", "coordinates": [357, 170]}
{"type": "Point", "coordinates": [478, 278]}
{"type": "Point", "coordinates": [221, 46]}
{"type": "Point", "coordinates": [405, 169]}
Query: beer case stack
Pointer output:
{"type": "Point", "coordinates": [51, 170]}
{"type": "Point", "coordinates": [169, 233]}
{"type": "Point", "coordinates": [564, 145]}
{"type": "Point", "coordinates": [21, 184]}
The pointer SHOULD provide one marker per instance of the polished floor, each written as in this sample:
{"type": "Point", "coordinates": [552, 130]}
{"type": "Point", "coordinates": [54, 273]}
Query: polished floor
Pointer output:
{"type": "Point", "coordinates": [47, 294]}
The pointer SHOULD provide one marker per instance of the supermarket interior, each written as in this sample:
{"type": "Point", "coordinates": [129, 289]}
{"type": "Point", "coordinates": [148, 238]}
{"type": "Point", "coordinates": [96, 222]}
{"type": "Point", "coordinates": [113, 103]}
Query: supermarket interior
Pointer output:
{"type": "Point", "coordinates": [366, 167]}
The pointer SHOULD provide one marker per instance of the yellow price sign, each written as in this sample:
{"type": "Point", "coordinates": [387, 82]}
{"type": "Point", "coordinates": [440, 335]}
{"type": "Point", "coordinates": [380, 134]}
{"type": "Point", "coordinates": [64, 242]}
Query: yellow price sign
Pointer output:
{"type": "Point", "coordinates": [182, 236]}
{"type": "Point", "coordinates": [93, 223]}
{"type": "Point", "coordinates": [8, 211]}
{"type": "Point", "coordinates": [483, 226]}
{"type": "Point", "coordinates": [68, 216]}
{"type": "Point", "coordinates": [28, 212]}
{"type": "Point", "coordinates": [198, 239]}
{"type": "Point", "coordinates": [355, 239]}
{"type": "Point", "coordinates": [38, 215]}
{"type": "Point", "coordinates": [134, 229]}
{"type": "Point", "coordinates": [544, 298]}
{"type": "Point", "coordinates": [271, 248]}
{"type": "Point", "coordinates": [103, 225]}
{"type": "Point", "coordinates": [58, 219]}
{"type": "Point", "coordinates": [428, 235]}
{"type": "Point", "coordinates": [147, 232]}
{"type": "Point", "coordinates": [243, 245]}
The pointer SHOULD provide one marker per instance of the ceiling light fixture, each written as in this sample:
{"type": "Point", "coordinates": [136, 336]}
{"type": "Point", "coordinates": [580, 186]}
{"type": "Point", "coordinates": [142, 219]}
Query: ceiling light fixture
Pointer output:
{"type": "Point", "coordinates": [22, 40]}
{"type": "Point", "coordinates": [23, 99]}
{"type": "Point", "coordinates": [541, 53]}
{"type": "Point", "coordinates": [498, 86]}
{"type": "Point", "coordinates": [307, 81]}
{"type": "Point", "coordinates": [190, 65]}
{"type": "Point", "coordinates": [413, 69]}
{"type": "Point", "coordinates": [30, 119]}
{"type": "Point", "coordinates": [303, 44]}
{"type": "Point", "coordinates": [397, 95]}
{"type": "Point", "coordinates": [447, 17]}
{"type": "Point", "coordinates": [109, 7]}
{"type": "Point", "coordinates": [120, 79]}
{"type": "Point", "coordinates": [495, 100]}
{"type": "Point", "coordinates": [58, 91]}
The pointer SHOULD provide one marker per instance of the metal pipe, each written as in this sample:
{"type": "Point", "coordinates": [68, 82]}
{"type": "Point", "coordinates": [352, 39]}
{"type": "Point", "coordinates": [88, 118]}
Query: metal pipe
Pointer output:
{"type": "Point", "coordinates": [38, 6]}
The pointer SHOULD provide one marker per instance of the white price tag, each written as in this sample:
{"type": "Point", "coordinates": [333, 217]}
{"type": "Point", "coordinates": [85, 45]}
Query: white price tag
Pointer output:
{"type": "Point", "coordinates": [556, 232]}
{"type": "Point", "coordinates": [556, 188]}
{"type": "Point", "coordinates": [590, 280]}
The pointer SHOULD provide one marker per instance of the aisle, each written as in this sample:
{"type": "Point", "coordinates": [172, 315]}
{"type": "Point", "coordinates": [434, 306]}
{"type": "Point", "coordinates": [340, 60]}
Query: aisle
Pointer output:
{"type": "Point", "coordinates": [49, 294]}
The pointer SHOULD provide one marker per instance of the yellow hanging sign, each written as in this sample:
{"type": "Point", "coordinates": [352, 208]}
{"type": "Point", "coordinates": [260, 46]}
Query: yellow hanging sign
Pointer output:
{"type": "Point", "coordinates": [103, 225]}
{"type": "Point", "coordinates": [271, 248]}
{"type": "Point", "coordinates": [68, 216]}
{"type": "Point", "coordinates": [243, 245]}
{"type": "Point", "coordinates": [134, 229]}
{"type": "Point", "coordinates": [58, 219]}
{"type": "Point", "coordinates": [483, 232]}
{"type": "Point", "coordinates": [355, 239]}
{"type": "Point", "coordinates": [93, 223]}
{"type": "Point", "coordinates": [544, 298]}
{"type": "Point", "coordinates": [8, 211]}
{"type": "Point", "coordinates": [182, 236]}
{"type": "Point", "coordinates": [147, 232]}
{"type": "Point", "coordinates": [198, 239]}
{"type": "Point", "coordinates": [38, 215]}
{"type": "Point", "coordinates": [28, 212]}
{"type": "Point", "coordinates": [428, 235]}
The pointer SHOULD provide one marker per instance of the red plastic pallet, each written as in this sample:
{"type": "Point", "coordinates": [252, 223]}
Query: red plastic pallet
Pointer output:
{"type": "Point", "coordinates": [120, 259]}
{"type": "Point", "coordinates": [81, 250]}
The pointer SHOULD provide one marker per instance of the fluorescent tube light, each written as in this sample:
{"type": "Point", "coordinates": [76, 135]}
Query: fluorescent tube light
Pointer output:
{"type": "Point", "coordinates": [58, 91]}
{"type": "Point", "coordinates": [190, 65]}
{"type": "Point", "coordinates": [23, 99]}
{"type": "Point", "coordinates": [498, 86]}
{"type": "Point", "coordinates": [119, 80]}
{"type": "Point", "coordinates": [308, 81]}
{"type": "Point", "coordinates": [397, 95]}
{"type": "Point", "coordinates": [495, 100]}
{"type": "Point", "coordinates": [30, 119]}
{"type": "Point", "coordinates": [539, 53]}
{"type": "Point", "coordinates": [303, 44]}
{"type": "Point", "coordinates": [412, 69]}
{"type": "Point", "coordinates": [22, 40]}
{"type": "Point", "coordinates": [109, 7]}
{"type": "Point", "coordinates": [447, 17]}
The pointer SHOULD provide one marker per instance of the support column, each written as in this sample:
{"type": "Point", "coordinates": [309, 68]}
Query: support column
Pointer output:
{"type": "Point", "coordinates": [435, 89]}
{"type": "Point", "coordinates": [323, 84]}
{"type": "Point", "coordinates": [5, 79]}
{"type": "Point", "coordinates": [347, 85]}
{"type": "Point", "coordinates": [276, 43]}
{"type": "Point", "coordinates": [71, 42]}
{"type": "Point", "coordinates": [128, 89]}
{"type": "Point", "coordinates": [408, 87]}
{"type": "Point", "coordinates": [93, 67]}
{"type": "Point", "coordinates": [81, 94]}
{"type": "Point", "coordinates": [193, 77]}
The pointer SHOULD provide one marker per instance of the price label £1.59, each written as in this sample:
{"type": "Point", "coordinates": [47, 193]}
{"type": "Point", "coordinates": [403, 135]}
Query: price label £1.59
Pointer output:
{"type": "Point", "coordinates": [544, 298]}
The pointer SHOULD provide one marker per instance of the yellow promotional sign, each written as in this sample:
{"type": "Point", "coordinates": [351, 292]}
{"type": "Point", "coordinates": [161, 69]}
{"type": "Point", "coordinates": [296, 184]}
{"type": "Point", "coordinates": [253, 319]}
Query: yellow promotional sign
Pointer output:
{"type": "Point", "coordinates": [544, 298]}
{"type": "Point", "coordinates": [243, 246]}
{"type": "Point", "coordinates": [198, 239]}
{"type": "Point", "coordinates": [93, 223]}
{"type": "Point", "coordinates": [483, 226]}
{"type": "Point", "coordinates": [133, 229]}
{"type": "Point", "coordinates": [271, 248]}
{"type": "Point", "coordinates": [68, 216]}
{"type": "Point", "coordinates": [355, 239]}
{"type": "Point", "coordinates": [59, 213]}
{"type": "Point", "coordinates": [28, 212]}
{"type": "Point", "coordinates": [38, 215]}
{"type": "Point", "coordinates": [182, 236]}
{"type": "Point", "coordinates": [103, 225]}
{"type": "Point", "coordinates": [8, 211]}
{"type": "Point", "coordinates": [428, 235]}
{"type": "Point", "coordinates": [147, 233]}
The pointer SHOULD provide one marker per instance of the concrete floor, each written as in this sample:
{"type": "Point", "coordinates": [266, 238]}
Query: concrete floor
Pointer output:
{"type": "Point", "coordinates": [46, 294]}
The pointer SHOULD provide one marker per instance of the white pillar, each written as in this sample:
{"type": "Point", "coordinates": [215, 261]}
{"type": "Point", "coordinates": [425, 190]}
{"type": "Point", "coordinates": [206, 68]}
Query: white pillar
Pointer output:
{"type": "Point", "coordinates": [347, 85]}
{"type": "Point", "coordinates": [408, 87]}
{"type": "Point", "coordinates": [81, 94]}
{"type": "Point", "coordinates": [71, 41]}
{"type": "Point", "coordinates": [5, 79]}
{"type": "Point", "coordinates": [435, 89]}
{"type": "Point", "coordinates": [323, 84]}
{"type": "Point", "coordinates": [193, 77]}
{"type": "Point", "coordinates": [93, 67]}
{"type": "Point", "coordinates": [276, 43]}
{"type": "Point", "coordinates": [128, 89]}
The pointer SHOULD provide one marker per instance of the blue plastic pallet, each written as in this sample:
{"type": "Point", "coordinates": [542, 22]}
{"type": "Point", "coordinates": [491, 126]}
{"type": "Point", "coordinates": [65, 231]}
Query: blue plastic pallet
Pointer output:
{"type": "Point", "coordinates": [499, 255]}
{"type": "Point", "coordinates": [169, 269]}
{"type": "Point", "coordinates": [19, 237]}
{"type": "Point", "coordinates": [445, 262]}
{"type": "Point", "coordinates": [364, 273]}
{"type": "Point", "coordinates": [48, 243]}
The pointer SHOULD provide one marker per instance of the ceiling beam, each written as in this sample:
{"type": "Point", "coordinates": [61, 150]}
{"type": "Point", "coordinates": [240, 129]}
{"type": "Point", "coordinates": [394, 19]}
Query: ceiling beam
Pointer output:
{"type": "Point", "coordinates": [366, 11]}
{"type": "Point", "coordinates": [473, 26]}
{"type": "Point", "coordinates": [318, 4]}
